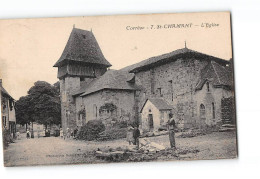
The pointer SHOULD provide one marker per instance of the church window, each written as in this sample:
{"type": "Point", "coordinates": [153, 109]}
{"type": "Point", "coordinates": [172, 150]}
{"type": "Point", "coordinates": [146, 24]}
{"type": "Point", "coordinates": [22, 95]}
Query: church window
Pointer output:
{"type": "Point", "coordinates": [207, 86]}
{"type": "Point", "coordinates": [95, 111]}
{"type": "Point", "coordinates": [202, 111]}
{"type": "Point", "coordinates": [213, 111]}
{"type": "Point", "coordinates": [170, 88]}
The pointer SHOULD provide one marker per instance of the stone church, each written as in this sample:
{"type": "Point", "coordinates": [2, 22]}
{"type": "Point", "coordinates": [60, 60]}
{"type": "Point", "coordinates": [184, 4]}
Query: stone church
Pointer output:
{"type": "Point", "coordinates": [197, 88]}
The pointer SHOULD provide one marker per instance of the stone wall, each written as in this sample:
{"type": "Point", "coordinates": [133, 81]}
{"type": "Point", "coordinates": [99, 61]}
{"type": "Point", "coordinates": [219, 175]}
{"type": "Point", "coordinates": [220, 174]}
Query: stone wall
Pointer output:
{"type": "Point", "coordinates": [68, 107]}
{"type": "Point", "coordinates": [171, 80]}
{"type": "Point", "coordinates": [123, 100]}
{"type": "Point", "coordinates": [228, 110]}
{"type": "Point", "coordinates": [176, 82]}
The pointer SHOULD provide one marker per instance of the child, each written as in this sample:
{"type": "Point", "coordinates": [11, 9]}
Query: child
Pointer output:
{"type": "Point", "coordinates": [27, 134]}
{"type": "Point", "coordinates": [61, 133]}
{"type": "Point", "coordinates": [129, 134]}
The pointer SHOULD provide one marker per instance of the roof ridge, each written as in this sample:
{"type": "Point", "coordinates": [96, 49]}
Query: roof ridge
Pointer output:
{"type": "Point", "coordinates": [216, 72]}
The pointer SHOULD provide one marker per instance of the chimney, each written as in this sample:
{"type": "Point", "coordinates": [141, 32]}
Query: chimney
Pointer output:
{"type": "Point", "coordinates": [0, 82]}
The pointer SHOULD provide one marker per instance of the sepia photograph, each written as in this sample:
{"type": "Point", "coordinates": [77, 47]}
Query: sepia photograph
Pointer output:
{"type": "Point", "coordinates": [117, 89]}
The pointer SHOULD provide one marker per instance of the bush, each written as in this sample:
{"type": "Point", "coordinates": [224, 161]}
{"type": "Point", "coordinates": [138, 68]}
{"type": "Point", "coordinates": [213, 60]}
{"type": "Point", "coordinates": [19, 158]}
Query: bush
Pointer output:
{"type": "Point", "coordinates": [7, 138]}
{"type": "Point", "coordinates": [120, 124]}
{"type": "Point", "coordinates": [91, 130]}
{"type": "Point", "coordinates": [113, 133]}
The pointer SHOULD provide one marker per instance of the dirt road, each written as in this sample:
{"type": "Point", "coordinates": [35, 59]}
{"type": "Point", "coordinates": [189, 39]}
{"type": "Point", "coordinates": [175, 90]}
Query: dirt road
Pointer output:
{"type": "Point", "coordinates": [54, 150]}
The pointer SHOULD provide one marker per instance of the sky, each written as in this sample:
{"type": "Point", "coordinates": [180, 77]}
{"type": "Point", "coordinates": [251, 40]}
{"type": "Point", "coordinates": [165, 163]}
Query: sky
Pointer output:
{"type": "Point", "coordinates": [30, 47]}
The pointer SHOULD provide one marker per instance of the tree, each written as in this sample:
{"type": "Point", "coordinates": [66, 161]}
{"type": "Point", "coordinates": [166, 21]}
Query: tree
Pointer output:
{"type": "Point", "coordinates": [24, 111]}
{"type": "Point", "coordinates": [42, 105]}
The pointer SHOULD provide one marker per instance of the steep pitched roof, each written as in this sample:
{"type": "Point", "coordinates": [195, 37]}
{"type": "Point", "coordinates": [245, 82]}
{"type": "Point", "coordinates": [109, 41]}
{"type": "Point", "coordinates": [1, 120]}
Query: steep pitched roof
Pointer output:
{"type": "Point", "coordinates": [82, 46]}
{"type": "Point", "coordinates": [112, 79]}
{"type": "Point", "coordinates": [165, 58]}
{"type": "Point", "coordinates": [159, 103]}
{"type": "Point", "coordinates": [217, 74]}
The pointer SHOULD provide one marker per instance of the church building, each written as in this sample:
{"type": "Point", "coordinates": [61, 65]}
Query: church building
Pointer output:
{"type": "Point", "coordinates": [195, 87]}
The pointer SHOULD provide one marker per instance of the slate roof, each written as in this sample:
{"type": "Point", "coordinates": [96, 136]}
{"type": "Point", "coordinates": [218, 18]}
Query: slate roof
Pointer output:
{"type": "Point", "coordinates": [82, 46]}
{"type": "Point", "coordinates": [159, 103]}
{"type": "Point", "coordinates": [112, 79]}
{"type": "Point", "coordinates": [217, 74]}
{"type": "Point", "coordinates": [165, 58]}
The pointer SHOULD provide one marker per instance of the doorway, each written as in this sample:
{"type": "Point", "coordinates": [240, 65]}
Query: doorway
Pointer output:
{"type": "Point", "coordinates": [150, 122]}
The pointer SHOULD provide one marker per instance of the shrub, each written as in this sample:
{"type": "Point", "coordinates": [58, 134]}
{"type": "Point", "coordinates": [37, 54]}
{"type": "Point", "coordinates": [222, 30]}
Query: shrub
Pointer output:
{"type": "Point", "coordinates": [91, 130]}
{"type": "Point", "coordinates": [7, 138]}
{"type": "Point", "coordinates": [120, 124]}
{"type": "Point", "coordinates": [113, 133]}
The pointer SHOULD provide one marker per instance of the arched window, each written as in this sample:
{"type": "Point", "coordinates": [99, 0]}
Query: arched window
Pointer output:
{"type": "Point", "coordinates": [202, 111]}
{"type": "Point", "coordinates": [213, 111]}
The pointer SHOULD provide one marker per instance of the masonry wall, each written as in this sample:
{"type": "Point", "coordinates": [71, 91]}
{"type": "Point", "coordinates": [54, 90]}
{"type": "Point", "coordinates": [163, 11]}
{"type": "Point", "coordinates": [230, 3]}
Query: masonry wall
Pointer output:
{"type": "Point", "coordinates": [122, 99]}
{"type": "Point", "coordinates": [172, 79]}
{"type": "Point", "coordinates": [68, 107]}
{"type": "Point", "coordinates": [176, 82]}
{"type": "Point", "coordinates": [208, 98]}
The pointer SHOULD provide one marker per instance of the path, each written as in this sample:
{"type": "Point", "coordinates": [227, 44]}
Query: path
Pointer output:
{"type": "Point", "coordinates": [54, 150]}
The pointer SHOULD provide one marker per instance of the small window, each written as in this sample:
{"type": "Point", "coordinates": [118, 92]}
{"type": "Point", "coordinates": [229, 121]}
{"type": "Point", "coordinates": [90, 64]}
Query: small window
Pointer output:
{"type": "Point", "coordinates": [207, 86]}
{"type": "Point", "coordinates": [213, 111]}
{"type": "Point", "coordinates": [82, 79]}
{"type": "Point", "coordinates": [144, 95]}
{"type": "Point", "coordinates": [160, 92]}
{"type": "Point", "coordinates": [202, 111]}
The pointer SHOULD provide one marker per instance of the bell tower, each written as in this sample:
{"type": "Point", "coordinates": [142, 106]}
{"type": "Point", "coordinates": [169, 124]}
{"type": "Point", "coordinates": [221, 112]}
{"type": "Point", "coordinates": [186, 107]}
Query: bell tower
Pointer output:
{"type": "Point", "coordinates": [81, 61]}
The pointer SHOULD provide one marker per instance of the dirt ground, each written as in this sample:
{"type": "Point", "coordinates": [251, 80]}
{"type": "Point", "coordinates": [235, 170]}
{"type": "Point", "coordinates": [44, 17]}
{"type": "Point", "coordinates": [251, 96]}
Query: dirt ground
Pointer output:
{"type": "Point", "coordinates": [54, 150]}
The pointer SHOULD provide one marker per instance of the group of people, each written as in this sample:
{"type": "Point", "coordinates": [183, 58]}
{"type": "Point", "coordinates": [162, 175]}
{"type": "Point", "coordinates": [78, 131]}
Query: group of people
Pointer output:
{"type": "Point", "coordinates": [133, 133]}
{"type": "Point", "coordinates": [69, 133]}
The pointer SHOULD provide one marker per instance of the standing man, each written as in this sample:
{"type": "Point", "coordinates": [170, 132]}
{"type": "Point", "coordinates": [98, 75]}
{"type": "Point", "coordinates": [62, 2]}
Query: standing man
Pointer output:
{"type": "Point", "coordinates": [171, 126]}
{"type": "Point", "coordinates": [136, 135]}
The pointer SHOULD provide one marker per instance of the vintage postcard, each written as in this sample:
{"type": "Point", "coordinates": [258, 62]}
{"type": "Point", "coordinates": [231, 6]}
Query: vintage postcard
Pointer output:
{"type": "Point", "coordinates": [126, 88]}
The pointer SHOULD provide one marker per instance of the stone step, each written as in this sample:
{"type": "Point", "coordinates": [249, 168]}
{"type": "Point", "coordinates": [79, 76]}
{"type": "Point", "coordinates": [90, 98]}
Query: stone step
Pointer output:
{"type": "Point", "coordinates": [227, 129]}
{"type": "Point", "coordinates": [227, 125]}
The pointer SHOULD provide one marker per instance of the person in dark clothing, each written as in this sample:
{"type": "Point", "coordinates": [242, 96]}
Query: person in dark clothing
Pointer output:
{"type": "Point", "coordinates": [136, 135]}
{"type": "Point", "coordinates": [75, 132]}
{"type": "Point", "coordinates": [171, 127]}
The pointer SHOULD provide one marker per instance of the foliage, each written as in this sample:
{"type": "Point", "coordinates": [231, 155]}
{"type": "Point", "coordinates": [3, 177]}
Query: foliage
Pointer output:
{"type": "Point", "coordinates": [7, 138]}
{"type": "Point", "coordinates": [107, 107]}
{"type": "Point", "coordinates": [112, 134]}
{"type": "Point", "coordinates": [42, 105]}
{"type": "Point", "coordinates": [120, 124]}
{"type": "Point", "coordinates": [91, 130]}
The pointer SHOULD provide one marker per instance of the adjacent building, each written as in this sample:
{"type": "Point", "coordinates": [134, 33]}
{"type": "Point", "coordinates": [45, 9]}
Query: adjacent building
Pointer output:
{"type": "Point", "coordinates": [7, 111]}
